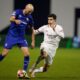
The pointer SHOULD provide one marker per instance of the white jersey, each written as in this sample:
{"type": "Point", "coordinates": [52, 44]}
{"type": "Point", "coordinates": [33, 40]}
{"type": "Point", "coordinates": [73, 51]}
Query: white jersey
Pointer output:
{"type": "Point", "coordinates": [51, 36]}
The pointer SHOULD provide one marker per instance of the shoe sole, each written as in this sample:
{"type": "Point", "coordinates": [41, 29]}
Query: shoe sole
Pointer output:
{"type": "Point", "coordinates": [23, 77]}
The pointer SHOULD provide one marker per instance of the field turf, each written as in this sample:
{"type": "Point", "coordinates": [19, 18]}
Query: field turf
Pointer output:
{"type": "Point", "coordinates": [66, 65]}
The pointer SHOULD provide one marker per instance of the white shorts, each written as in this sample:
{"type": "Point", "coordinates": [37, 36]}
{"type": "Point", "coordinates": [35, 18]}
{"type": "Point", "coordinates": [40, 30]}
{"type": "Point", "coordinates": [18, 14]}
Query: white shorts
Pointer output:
{"type": "Point", "coordinates": [50, 50]}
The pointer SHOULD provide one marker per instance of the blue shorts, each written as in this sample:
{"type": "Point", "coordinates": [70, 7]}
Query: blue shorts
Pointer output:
{"type": "Point", "coordinates": [11, 41]}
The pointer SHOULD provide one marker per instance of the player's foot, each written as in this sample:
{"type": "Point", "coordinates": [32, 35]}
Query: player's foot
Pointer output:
{"type": "Point", "coordinates": [32, 74]}
{"type": "Point", "coordinates": [32, 68]}
{"type": "Point", "coordinates": [26, 76]}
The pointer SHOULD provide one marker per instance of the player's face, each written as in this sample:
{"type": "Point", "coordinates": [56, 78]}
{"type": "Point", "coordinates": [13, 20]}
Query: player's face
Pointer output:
{"type": "Point", "coordinates": [51, 20]}
{"type": "Point", "coordinates": [29, 9]}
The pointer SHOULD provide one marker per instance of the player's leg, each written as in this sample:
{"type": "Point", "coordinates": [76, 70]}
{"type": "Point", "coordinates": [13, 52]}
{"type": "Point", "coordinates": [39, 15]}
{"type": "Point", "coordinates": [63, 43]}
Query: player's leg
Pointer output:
{"type": "Point", "coordinates": [7, 46]}
{"type": "Point", "coordinates": [42, 56]}
{"type": "Point", "coordinates": [48, 61]}
{"type": "Point", "coordinates": [3, 54]}
{"type": "Point", "coordinates": [41, 69]}
{"type": "Point", "coordinates": [39, 59]}
{"type": "Point", "coordinates": [26, 57]}
{"type": "Point", "coordinates": [22, 43]}
{"type": "Point", "coordinates": [45, 67]}
{"type": "Point", "coordinates": [42, 53]}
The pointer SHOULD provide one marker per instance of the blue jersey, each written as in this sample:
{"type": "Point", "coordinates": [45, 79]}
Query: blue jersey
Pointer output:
{"type": "Point", "coordinates": [18, 30]}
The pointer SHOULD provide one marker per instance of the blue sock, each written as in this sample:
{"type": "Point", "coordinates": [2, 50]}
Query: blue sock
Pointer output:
{"type": "Point", "coordinates": [26, 62]}
{"type": "Point", "coordinates": [1, 57]}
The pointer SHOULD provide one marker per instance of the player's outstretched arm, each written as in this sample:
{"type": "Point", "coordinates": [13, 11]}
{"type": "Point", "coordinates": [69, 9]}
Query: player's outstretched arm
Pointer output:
{"type": "Point", "coordinates": [34, 32]}
{"type": "Point", "coordinates": [33, 38]}
{"type": "Point", "coordinates": [13, 19]}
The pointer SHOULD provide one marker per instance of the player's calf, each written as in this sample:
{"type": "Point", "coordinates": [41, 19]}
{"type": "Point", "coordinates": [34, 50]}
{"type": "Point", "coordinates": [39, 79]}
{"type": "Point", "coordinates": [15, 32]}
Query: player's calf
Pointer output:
{"type": "Point", "coordinates": [4, 53]}
{"type": "Point", "coordinates": [45, 68]}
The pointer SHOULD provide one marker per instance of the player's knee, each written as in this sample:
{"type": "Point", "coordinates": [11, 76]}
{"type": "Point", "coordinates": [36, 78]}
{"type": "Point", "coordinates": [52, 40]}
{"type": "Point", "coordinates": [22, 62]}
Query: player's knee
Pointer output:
{"type": "Point", "coordinates": [26, 53]}
{"type": "Point", "coordinates": [5, 52]}
{"type": "Point", "coordinates": [45, 56]}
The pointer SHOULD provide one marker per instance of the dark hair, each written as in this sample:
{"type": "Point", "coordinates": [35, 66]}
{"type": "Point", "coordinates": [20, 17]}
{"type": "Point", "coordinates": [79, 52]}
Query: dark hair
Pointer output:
{"type": "Point", "coordinates": [53, 15]}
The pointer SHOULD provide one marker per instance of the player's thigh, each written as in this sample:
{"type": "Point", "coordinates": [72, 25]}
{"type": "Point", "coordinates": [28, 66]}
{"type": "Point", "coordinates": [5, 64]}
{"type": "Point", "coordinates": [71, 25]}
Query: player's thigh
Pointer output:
{"type": "Point", "coordinates": [44, 50]}
{"type": "Point", "coordinates": [24, 46]}
{"type": "Point", "coordinates": [25, 51]}
{"type": "Point", "coordinates": [10, 42]}
{"type": "Point", "coordinates": [49, 59]}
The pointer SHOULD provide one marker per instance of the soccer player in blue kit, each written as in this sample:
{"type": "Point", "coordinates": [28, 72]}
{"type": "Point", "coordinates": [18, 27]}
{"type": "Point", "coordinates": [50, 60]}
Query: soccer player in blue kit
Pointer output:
{"type": "Point", "coordinates": [20, 21]}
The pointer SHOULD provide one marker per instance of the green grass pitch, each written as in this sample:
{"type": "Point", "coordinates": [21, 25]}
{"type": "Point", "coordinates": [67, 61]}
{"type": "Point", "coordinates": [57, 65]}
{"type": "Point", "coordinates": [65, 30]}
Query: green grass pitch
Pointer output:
{"type": "Point", "coordinates": [66, 65]}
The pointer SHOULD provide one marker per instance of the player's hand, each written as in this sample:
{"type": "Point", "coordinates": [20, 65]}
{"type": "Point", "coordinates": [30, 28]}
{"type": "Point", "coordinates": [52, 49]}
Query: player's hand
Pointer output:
{"type": "Point", "coordinates": [18, 21]}
{"type": "Point", "coordinates": [54, 29]}
{"type": "Point", "coordinates": [32, 45]}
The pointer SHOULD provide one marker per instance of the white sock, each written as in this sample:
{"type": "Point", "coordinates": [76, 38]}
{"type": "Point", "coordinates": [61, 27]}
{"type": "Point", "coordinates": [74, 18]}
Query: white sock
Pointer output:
{"type": "Point", "coordinates": [39, 69]}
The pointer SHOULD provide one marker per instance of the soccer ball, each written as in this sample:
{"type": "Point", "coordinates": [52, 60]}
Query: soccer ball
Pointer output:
{"type": "Point", "coordinates": [21, 73]}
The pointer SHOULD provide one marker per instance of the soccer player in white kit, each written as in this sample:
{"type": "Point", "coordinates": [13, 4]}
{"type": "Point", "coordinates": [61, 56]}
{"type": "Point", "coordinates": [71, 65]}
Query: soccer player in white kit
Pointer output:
{"type": "Point", "coordinates": [52, 36]}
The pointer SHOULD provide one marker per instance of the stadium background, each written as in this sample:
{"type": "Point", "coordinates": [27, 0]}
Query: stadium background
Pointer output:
{"type": "Point", "coordinates": [68, 15]}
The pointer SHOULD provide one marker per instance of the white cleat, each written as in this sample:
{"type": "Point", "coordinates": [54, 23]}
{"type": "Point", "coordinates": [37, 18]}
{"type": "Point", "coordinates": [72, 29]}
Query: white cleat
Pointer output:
{"type": "Point", "coordinates": [26, 76]}
{"type": "Point", "coordinates": [32, 74]}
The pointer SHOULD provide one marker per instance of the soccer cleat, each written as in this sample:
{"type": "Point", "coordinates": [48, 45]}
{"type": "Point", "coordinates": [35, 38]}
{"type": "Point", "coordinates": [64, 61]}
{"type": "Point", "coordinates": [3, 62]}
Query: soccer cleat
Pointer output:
{"type": "Point", "coordinates": [26, 76]}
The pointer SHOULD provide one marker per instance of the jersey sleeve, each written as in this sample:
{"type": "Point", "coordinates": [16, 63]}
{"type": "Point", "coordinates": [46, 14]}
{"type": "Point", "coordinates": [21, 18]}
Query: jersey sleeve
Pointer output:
{"type": "Point", "coordinates": [40, 30]}
{"type": "Point", "coordinates": [15, 13]}
{"type": "Point", "coordinates": [60, 32]}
